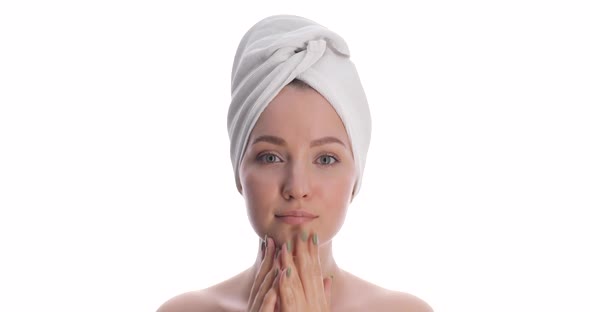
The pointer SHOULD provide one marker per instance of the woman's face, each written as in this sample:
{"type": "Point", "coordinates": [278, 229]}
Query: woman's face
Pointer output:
{"type": "Point", "coordinates": [298, 170]}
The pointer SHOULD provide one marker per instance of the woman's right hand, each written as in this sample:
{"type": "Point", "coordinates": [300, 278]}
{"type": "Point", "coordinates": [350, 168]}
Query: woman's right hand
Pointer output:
{"type": "Point", "coordinates": [263, 296]}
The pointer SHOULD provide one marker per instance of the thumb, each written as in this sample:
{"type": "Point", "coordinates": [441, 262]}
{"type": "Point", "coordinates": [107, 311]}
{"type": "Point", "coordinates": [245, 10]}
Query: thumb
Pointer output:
{"type": "Point", "coordinates": [328, 289]}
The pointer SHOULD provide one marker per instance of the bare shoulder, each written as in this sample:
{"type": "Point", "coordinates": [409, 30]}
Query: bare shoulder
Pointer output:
{"type": "Point", "coordinates": [224, 296]}
{"type": "Point", "coordinates": [399, 301]}
{"type": "Point", "coordinates": [371, 297]}
{"type": "Point", "coordinates": [191, 301]}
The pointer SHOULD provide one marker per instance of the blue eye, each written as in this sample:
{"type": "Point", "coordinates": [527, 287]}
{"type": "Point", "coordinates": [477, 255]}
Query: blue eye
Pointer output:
{"type": "Point", "coordinates": [268, 158]}
{"type": "Point", "coordinates": [327, 160]}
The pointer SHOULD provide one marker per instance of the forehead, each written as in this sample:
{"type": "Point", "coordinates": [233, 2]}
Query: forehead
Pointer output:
{"type": "Point", "coordinates": [300, 114]}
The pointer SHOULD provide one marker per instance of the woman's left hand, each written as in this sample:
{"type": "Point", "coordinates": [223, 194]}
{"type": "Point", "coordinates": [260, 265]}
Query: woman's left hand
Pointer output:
{"type": "Point", "coordinates": [301, 286]}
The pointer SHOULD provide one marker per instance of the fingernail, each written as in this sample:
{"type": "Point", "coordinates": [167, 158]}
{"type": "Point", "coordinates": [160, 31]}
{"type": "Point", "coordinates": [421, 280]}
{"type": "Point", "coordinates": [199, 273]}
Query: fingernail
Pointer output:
{"type": "Point", "coordinates": [315, 238]}
{"type": "Point", "coordinates": [289, 246]}
{"type": "Point", "coordinates": [263, 244]}
{"type": "Point", "coordinates": [304, 236]}
{"type": "Point", "coordinates": [288, 272]}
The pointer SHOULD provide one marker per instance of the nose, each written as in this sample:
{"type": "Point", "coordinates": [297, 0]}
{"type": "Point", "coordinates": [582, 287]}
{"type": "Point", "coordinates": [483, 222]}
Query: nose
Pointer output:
{"type": "Point", "coordinates": [296, 184]}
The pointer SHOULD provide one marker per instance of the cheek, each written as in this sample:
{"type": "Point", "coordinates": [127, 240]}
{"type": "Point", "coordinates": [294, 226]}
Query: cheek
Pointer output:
{"type": "Point", "coordinates": [338, 195]}
{"type": "Point", "coordinates": [259, 190]}
{"type": "Point", "coordinates": [336, 198]}
{"type": "Point", "coordinates": [337, 191]}
{"type": "Point", "coordinates": [339, 185]}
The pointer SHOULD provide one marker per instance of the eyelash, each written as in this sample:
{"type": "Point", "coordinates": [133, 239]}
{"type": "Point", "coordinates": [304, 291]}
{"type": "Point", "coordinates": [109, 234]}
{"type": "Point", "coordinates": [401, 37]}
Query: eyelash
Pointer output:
{"type": "Point", "coordinates": [260, 159]}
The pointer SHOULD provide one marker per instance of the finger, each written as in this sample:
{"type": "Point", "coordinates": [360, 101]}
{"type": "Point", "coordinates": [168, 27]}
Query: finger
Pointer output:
{"type": "Point", "coordinates": [287, 297]}
{"type": "Point", "coordinates": [290, 288]}
{"type": "Point", "coordinates": [290, 269]}
{"type": "Point", "coordinates": [262, 269]}
{"type": "Point", "coordinates": [328, 290]}
{"type": "Point", "coordinates": [266, 286]}
{"type": "Point", "coordinates": [308, 266]}
{"type": "Point", "coordinates": [265, 266]}
{"type": "Point", "coordinates": [300, 244]}
{"type": "Point", "coordinates": [269, 302]}
{"type": "Point", "coordinates": [275, 289]}
{"type": "Point", "coordinates": [316, 268]}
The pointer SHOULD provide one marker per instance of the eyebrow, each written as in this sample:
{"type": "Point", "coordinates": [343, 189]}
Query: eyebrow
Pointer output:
{"type": "Point", "coordinates": [270, 139]}
{"type": "Point", "coordinates": [281, 142]}
{"type": "Point", "coordinates": [325, 140]}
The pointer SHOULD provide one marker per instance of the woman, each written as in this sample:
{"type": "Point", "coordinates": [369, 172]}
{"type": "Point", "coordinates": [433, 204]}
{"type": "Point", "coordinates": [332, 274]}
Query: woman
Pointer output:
{"type": "Point", "coordinates": [299, 127]}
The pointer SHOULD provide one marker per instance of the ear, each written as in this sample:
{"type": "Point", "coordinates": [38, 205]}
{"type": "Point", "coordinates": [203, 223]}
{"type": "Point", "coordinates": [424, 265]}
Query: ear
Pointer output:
{"type": "Point", "coordinates": [353, 189]}
{"type": "Point", "coordinates": [238, 180]}
{"type": "Point", "coordinates": [239, 186]}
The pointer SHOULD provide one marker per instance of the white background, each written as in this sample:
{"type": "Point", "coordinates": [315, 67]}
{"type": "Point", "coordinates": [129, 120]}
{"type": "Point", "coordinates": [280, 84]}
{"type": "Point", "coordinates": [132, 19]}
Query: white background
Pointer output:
{"type": "Point", "coordinates": [116, 188]}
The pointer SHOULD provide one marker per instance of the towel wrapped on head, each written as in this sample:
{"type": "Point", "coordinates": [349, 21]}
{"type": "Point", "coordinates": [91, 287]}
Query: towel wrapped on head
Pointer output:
{"type": "Point", "coordinates": [279, 49]}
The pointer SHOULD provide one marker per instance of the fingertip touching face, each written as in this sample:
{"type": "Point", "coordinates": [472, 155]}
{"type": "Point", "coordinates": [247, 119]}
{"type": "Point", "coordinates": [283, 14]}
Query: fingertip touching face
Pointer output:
{"type": "Point", "coordinates": [298, 172]}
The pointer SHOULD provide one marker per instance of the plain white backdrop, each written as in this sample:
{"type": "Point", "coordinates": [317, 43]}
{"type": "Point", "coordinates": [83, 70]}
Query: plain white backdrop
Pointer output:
{"type": "Point", "coordinates": [116, 187]}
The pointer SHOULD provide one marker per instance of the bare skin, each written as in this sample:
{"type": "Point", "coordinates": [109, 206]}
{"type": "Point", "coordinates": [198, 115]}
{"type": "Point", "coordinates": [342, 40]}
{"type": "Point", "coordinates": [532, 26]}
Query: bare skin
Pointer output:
{"type": "Point", "coordinates": [303, 163]}
{"type": "Point", "coordinates": [349, 293]}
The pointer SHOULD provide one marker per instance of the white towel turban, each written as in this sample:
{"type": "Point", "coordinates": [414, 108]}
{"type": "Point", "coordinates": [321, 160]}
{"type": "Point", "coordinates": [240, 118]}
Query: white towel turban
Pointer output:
{"type": "Point", "coordinates": [279, 49]}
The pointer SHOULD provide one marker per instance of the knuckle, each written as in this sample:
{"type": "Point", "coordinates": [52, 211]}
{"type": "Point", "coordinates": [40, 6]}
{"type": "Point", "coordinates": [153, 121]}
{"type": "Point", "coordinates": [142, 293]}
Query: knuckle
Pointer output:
{"type": "Point", "coordinates": [288, 298]}
{"type": "Point", "coordinates": [303, 263]}
{"type": "Point", "coordinates": [316, 268]}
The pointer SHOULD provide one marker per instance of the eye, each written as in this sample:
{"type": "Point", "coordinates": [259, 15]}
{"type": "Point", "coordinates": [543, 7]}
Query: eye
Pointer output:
{"type": "Point", "coordinates": [268, 158]}
{"type": "Point", "coordinates": [327, 160]}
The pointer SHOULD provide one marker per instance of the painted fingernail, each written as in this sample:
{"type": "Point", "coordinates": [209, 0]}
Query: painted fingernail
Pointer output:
{"type": "Point", "coordinates": [315, 238]}
{"type": "Point", "coordinates": [289, 246]}
{"type": "Point", "coordinates": [304, 236]}
{"type": "Point", "coordinates": [288, 272]}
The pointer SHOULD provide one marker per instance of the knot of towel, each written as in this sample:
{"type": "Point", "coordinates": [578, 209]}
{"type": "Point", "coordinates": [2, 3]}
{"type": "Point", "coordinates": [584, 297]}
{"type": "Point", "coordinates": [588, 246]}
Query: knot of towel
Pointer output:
{"type": "Point", "coordinates": [279, 49]}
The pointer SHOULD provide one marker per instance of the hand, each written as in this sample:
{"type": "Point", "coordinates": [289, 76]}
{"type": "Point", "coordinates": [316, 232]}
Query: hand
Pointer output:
{"type": "Point", "coordinates": [301, 286]}
{"type": "Point", "coordinates": [263, 295]}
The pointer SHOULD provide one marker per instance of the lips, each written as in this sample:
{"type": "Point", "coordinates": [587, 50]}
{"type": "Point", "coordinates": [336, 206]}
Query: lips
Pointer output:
{"type": "Point", "coordinates": [296, 217]}
{"type": "Point", "coordinates": [296, 213]}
